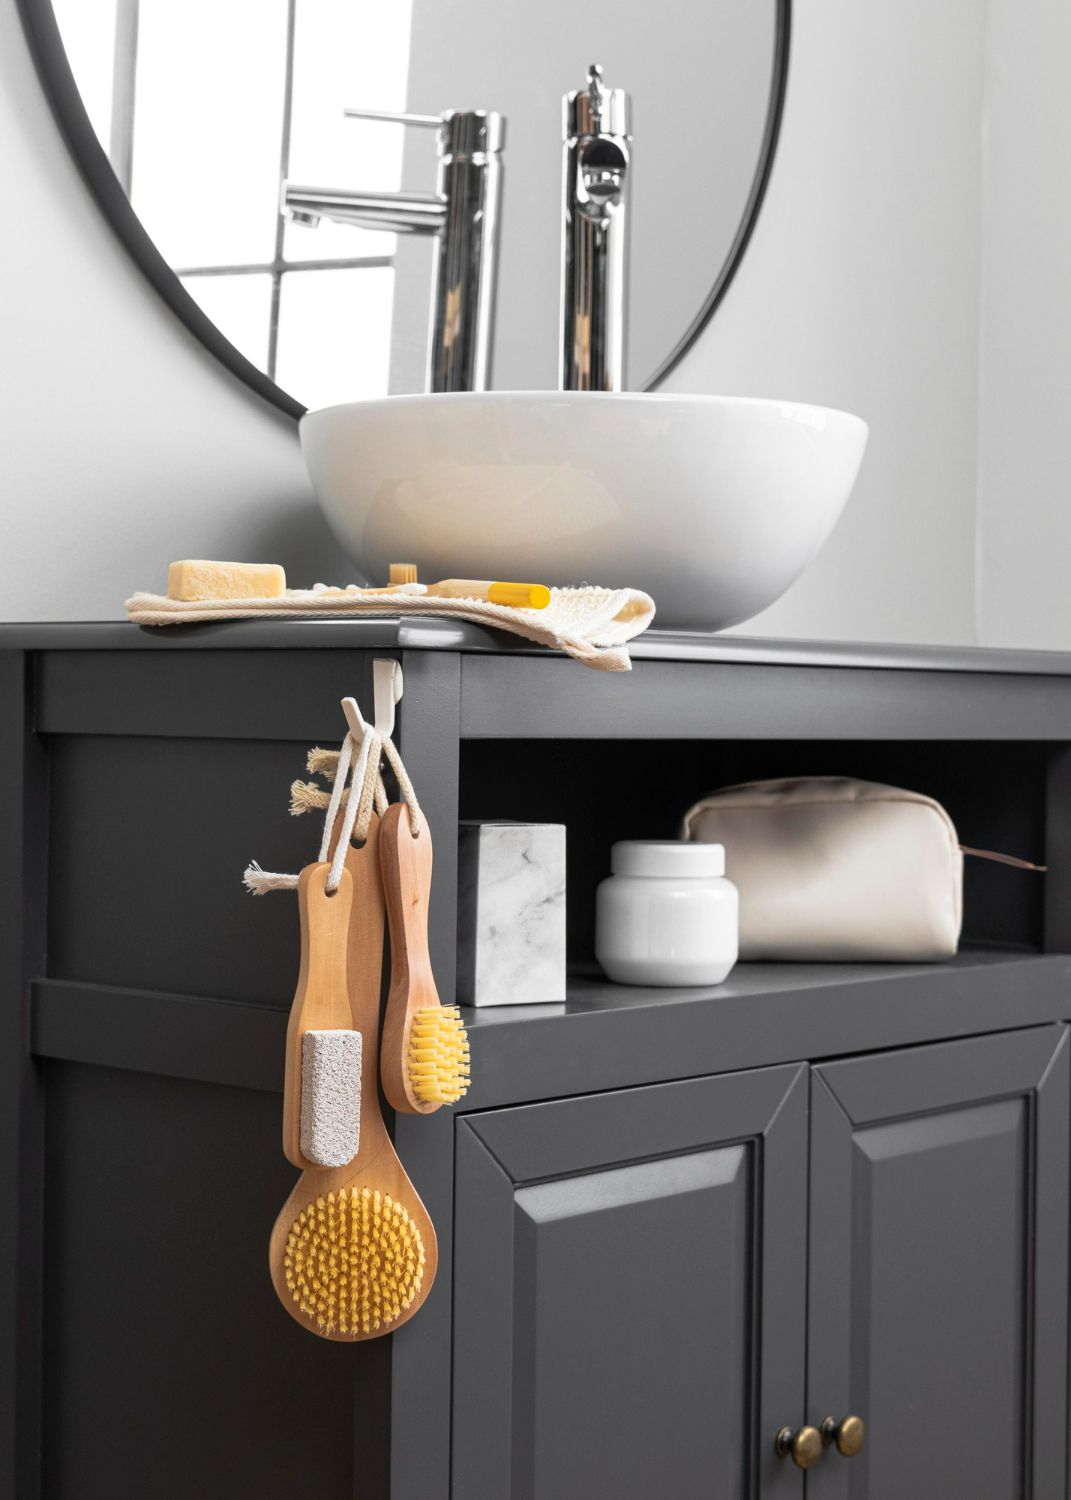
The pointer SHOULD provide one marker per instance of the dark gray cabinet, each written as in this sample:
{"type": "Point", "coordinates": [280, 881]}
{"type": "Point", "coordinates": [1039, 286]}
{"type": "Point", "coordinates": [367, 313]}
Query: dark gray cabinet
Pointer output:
{"type": "Point", "coordinates": [938, 1268]}
{"type": "Point", "coordinates": [670, 1222]}
{"type": "Point", "coordinates": [629, 1295]}
{"type": "Point", "coordinates": [649, 1284]}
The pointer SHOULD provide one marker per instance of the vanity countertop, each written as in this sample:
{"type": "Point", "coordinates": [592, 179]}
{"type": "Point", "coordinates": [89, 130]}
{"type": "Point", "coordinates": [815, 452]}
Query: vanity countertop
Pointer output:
{"type": "Point", "coordinates": [424, 634]}
{"type": "Point", "coordinates": [685, 685]}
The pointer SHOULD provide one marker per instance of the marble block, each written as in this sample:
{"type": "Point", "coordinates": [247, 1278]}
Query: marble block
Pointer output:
{"type": "Point", "coordinates": [511, 913]}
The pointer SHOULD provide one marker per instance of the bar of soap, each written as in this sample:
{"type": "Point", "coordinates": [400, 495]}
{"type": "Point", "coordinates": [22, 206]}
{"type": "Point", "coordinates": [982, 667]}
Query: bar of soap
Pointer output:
{"type": "Point", "coordinates": [197, 579]}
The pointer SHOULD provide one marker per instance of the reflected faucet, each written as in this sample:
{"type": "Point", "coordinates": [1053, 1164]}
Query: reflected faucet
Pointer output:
{"type": "Point", "coordinates": [462, 212]}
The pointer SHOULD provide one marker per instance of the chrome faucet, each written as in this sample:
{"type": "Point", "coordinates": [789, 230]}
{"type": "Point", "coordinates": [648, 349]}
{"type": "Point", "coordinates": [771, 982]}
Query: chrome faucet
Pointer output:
{"type": "Point", "coordinates": [462, 212]}
{"type": "Point", "coordinates": [596, 172]}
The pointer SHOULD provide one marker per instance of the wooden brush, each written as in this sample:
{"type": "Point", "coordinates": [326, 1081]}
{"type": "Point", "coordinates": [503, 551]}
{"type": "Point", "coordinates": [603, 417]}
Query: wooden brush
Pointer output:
{"type": "Point", "coordinates": [425, 1057]}
{"type": "Point", "coordinates": [353, 1253]}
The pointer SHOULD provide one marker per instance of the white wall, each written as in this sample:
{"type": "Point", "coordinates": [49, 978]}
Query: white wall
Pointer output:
{"type": "Point", "coordinates": [1024, 524]}
{"type": "Point", "coordinates": [125, 445]}
{"type": "Point", "coordinates": [122, 443]}
{"type": "Point", "coordinates": [860, 290]}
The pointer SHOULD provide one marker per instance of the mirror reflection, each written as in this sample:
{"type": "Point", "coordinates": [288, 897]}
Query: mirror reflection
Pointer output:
{"type": "Point", "coordinates": [203, 134]}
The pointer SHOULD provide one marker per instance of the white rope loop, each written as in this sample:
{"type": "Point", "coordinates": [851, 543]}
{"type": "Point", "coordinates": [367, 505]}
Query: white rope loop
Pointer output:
{"type": "Point", "coordinates": [366, 761]}
{"type": "Point", "coordinates": [337, 790]}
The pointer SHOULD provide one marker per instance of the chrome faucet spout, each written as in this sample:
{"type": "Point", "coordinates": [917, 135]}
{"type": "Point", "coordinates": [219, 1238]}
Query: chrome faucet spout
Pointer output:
{"type": "Point", "coordinates": [405, 213]}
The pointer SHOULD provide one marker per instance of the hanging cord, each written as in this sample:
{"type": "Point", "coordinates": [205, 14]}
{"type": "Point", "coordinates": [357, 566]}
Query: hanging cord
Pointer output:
{"type": "Point", "coordinates": [366, 792]}
{"type": "Point", "coordinates": [334, 801]}
{"type": "Point", "coordinates": [405, 786]}
{"type": "Point", "coordinates": [259, 881]}
{"type": "Point", "coordinates": [305, 796]}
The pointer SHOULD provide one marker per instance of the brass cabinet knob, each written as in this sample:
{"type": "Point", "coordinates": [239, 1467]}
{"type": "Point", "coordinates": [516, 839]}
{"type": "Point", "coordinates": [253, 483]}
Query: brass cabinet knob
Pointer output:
{"type": "Point", "coordinates": [804, 1445]}
{"type": "Point", "coordinates": [849, 1434]}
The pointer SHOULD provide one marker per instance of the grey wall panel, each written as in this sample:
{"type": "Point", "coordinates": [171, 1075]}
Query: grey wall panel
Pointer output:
{"type": "Point", "coordinates": [173, 1036]}
{"type": "Point", "coordinates": [215, 694]}
{"type": "Point", "coordinates": [543, 697]}
{"type": "Point", "coordinates": [23, 817]}
{"type": "Point", "coordinates": [148, 842]}
{"type": "Point", "coordinates": [1058, 849]}
{"type": "Point", "coordinates": [171, 1371]}
{"type": "Point", "coordinates": [420, 1352]}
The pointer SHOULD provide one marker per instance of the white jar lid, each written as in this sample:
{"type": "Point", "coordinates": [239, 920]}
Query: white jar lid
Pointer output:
{"type": "Point", "coordinates": [668, 858]}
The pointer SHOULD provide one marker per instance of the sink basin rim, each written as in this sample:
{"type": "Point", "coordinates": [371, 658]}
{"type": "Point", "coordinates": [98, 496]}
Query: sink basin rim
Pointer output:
{"type": "Point", "coordinates": [541, 398]}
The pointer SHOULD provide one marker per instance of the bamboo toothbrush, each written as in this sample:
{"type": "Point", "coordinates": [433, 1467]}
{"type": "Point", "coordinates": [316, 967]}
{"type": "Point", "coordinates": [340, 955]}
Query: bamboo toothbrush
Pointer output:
{"type": "Point", "coordinates": [519, 595]}
{"type": "Point", "coordinates": [425, 1057]}
{"type": "Point", "coordinates": [353, 1253]}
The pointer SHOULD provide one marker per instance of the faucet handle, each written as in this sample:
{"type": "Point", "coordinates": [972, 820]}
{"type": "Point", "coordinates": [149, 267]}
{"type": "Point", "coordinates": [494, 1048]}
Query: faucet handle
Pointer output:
{"type": "Point", "coordinates": [462, 132]}
{"type": "Point", "coordinates": [393, 117]}
{"type": "Point", "coordinates": [596, 110]}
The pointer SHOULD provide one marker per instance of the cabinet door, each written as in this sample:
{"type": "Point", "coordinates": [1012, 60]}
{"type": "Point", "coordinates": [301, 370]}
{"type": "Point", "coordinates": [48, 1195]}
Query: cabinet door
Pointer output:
{"type": "Point", "coordinates": [611, 1256]}
{"type": "Point", "coordinates": [938, 1269]}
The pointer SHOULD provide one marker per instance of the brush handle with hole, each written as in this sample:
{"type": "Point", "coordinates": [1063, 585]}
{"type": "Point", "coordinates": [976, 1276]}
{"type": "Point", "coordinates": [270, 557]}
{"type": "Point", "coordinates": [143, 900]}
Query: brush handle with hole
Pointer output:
{"type": "Point", "coordinates": [405, 859]}
{"type": "Point", "coordinates": [364, 965]}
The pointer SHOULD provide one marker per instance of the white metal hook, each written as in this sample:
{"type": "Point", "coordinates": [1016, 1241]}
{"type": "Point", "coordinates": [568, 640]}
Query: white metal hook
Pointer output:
{"type": "Point", "coordinates": [387, 684]}
{"type": "Point", "coordinates": [387, 687]}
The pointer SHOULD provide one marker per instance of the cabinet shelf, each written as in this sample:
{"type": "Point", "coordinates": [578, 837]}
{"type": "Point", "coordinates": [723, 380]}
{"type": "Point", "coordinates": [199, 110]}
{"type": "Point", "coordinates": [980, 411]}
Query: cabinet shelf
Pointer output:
{"type": "Point", "coordinates": [608, 1036]}
{"type": "Point", "coordinates": [604, 1036]}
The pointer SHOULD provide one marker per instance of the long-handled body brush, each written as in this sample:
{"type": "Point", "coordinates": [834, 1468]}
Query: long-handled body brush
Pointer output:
{"type": "Point", "coordinates": [353, 1253]}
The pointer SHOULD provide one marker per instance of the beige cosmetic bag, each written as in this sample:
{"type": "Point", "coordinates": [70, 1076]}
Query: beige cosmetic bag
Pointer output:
{"type": "Point", "coordinates": [830, 869]}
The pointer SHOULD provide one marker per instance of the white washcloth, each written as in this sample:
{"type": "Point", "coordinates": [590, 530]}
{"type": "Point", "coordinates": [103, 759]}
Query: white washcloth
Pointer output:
{"type": "Point", "coordinates": [590, 624]}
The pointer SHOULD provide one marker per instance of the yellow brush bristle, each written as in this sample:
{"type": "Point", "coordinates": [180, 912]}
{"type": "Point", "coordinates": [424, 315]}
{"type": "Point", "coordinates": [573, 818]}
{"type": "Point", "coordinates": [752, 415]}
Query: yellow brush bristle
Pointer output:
{"type": "Point", "coordinates": [438, 1055]}
{"type": "Point", "coordinates": [354, 1261]}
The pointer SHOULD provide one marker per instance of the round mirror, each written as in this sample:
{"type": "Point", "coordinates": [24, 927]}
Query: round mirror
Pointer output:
{"type": "Point", "coordinates": [187, 119]}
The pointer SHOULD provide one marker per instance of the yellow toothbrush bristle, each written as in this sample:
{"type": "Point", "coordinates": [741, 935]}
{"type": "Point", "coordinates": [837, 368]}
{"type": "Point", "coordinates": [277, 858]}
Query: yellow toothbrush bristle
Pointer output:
{"type": "Point", "coordinates": [438, 1055]}
{"type": "Point", "coordinates": [354, 1261]}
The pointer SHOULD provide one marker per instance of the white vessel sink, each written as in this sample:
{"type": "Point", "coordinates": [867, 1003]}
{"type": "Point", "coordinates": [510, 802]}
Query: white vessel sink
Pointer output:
{"type": "Point", "coordinates": [712, 504]}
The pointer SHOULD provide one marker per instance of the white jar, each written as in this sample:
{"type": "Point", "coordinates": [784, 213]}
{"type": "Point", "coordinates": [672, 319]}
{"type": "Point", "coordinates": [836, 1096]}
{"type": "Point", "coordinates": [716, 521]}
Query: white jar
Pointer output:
{"type": "Point", "coordinates": [666, 915]}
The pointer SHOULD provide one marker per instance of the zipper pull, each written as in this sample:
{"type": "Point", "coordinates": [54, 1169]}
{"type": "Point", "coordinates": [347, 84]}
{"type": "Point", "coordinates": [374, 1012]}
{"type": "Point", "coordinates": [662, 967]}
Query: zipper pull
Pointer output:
{"type": "Point", "coordinates": [1004, 859]}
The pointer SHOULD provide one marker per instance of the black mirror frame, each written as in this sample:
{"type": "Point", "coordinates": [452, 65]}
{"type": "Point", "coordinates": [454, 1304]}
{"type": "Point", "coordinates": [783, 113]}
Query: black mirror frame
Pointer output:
{"type": "Point", "coordinates": [50, 59]}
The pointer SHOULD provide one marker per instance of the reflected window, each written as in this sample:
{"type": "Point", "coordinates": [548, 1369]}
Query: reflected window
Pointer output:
{"type": "Point", "coordinates": [204, 108]}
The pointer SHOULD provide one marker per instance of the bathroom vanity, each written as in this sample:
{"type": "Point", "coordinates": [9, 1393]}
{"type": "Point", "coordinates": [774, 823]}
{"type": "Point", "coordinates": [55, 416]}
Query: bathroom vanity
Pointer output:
{"type": "Point", "coordinates": [672, 1223]}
